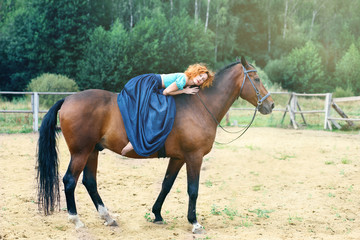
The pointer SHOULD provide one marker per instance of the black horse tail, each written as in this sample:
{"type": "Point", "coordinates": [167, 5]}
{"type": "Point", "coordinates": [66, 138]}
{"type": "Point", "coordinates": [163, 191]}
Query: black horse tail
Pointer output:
{"type": "Point", "coordinates": [47, 162]}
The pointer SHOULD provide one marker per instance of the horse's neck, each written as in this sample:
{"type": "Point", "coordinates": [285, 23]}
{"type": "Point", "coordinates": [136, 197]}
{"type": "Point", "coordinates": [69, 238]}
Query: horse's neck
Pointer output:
{"type": "Point", "coordinates": [222, 95]}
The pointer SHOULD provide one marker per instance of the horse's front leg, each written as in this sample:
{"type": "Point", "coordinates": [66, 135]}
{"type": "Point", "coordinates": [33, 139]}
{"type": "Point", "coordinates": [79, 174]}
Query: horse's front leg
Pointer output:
{"type": "Point", "coordinates": [193, 166]}
{"type": "Point", "coordinates": [170, 176]}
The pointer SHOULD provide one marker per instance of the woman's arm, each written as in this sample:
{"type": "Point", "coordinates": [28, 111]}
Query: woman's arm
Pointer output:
{"type": "Point", "coordinates": [173, 89]}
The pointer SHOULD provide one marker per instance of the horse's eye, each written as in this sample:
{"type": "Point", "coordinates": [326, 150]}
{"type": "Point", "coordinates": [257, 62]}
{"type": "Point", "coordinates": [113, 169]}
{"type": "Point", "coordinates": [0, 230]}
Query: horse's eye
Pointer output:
{"type": "Point", "coordinates": [257, 79]}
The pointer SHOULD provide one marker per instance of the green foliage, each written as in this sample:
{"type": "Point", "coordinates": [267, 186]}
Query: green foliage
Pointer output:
{"type": "Point", "coordinates": [105, 64]}
{"type": "Point", "coordinates": [348, 70]}
{"type": "Point", "coordinates": [185, 43]}
{"type": "Point", "coordinates": [52, 83]}
{"type": "Point", "coordinates": [162, 46]}
{"type": "Point", "coordinates": [17, 51]}
{"type": "Point", "coordinates": [274, 70]}
{"type": "Point", "coordinates": [102, 44]}
{"type": "Point", "coordinates": [304, 72]}
{"type": "Point", "coordinates": [154, 45]}
{"type": "Point", "coordinates": [295, 38]}
{"type": "Point", "coordinates": [340, 92]}
{"type": "Point", "coordinates": [44, 36]}
{"type": "Point", "coordinates": [263, 76]}
{"type": "Point", "coordinates": [300, 71]}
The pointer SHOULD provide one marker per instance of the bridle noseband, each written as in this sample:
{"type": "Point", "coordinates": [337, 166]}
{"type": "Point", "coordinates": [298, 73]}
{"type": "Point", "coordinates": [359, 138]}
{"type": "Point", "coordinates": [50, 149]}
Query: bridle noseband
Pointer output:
{"type": "Point", "coordinates": [258, 94]}
{"type": "Point", "coordinates": [261, 99]}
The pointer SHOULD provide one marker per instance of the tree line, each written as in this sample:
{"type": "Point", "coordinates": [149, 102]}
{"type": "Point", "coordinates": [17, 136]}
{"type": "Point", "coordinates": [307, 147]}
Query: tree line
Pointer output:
{"type": "Point", "coordinates": [302, 45]}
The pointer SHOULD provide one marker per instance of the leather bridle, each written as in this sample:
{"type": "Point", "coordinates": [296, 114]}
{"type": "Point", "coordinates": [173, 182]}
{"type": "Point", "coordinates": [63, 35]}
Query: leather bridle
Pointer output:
{"type": "Point", "coordinates": [261, 99]}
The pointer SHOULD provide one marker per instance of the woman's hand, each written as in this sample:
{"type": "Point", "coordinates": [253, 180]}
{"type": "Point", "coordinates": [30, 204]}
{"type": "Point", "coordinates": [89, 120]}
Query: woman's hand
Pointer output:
{"type": "Point", "coordinates": [174, 90]}
{"type": "Point", "coordinates": [190, 90]}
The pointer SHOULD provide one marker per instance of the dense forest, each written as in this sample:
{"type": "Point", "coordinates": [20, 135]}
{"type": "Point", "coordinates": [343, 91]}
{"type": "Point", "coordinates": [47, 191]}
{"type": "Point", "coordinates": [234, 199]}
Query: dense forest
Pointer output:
{"type": "Point", "coordinates": [301, 45]}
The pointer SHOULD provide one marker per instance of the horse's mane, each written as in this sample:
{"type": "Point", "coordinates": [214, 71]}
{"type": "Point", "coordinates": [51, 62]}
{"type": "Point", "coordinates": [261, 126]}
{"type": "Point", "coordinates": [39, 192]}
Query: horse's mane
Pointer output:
{"type": "Point", "coordinates": [223, 70]}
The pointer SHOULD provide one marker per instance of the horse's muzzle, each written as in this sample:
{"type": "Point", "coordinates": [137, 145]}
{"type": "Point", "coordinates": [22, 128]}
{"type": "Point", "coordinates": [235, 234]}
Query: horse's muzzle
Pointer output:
{"type": "Point", "coordinates": [266, 107]}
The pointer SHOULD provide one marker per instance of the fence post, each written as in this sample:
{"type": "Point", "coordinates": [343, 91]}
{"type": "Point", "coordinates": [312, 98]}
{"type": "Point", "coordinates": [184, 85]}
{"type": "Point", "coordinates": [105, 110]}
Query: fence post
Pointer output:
{"type": "Point", "coordinates": [292, 110]}
{"type": "Point", "coordinates": [327, 123]}
{"type": "Point", "coordinates": [227, 119]}
{"type": "Point", "coordinates": [35, 109]}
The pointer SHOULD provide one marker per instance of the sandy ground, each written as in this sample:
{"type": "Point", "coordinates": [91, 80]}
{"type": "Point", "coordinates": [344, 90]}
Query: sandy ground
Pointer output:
{"type": "Point", "coordinates": [270, 184]}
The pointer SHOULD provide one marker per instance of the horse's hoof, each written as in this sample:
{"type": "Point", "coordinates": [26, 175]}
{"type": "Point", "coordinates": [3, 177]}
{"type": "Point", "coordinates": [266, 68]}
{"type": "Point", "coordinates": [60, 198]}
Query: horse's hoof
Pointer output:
{"type": "Point", "coordinates": [198, 229]}
{"type": "Point", "coordinates": [113, 223]}
{"type": "Point", "coordinates": [159, 222]}
{"type": "Point", "coordinates": [79, 225]}
{"type": "Point", "coordinates": [75, 219]}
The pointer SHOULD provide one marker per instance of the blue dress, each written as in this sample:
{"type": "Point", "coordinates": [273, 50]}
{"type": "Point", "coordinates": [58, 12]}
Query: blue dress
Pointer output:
{"type": "Point", "coordinates": [148, 115]}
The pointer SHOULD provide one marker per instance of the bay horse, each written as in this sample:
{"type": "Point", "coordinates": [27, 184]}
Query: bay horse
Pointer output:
{"type": "Point", "coordinates": [91, 121]}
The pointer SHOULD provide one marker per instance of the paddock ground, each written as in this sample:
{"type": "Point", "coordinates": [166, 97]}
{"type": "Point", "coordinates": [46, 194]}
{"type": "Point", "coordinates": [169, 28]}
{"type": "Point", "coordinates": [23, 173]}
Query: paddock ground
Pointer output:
{"type": "Point", "coordinates": [270, 184]}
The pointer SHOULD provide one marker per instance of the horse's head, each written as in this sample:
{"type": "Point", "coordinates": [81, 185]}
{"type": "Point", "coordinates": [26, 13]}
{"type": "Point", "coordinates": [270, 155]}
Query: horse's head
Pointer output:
{"type": "Point", "coordinates": [253, 91]}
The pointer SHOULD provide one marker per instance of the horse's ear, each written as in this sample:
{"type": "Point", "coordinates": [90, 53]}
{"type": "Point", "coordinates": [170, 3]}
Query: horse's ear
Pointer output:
{"type": "Point", "coordinates": [244, 62]}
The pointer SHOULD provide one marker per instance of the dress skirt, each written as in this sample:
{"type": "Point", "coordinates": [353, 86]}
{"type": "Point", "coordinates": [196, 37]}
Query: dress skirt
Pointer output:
{"type": "Point", "coordinates": [148, 115]}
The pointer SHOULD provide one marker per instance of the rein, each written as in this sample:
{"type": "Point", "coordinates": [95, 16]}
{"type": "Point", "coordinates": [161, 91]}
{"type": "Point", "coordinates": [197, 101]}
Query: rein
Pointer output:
{"type": "Point", "coordinates": [242, 131]}
{"type": "Point", "coordinates": [259, 103]}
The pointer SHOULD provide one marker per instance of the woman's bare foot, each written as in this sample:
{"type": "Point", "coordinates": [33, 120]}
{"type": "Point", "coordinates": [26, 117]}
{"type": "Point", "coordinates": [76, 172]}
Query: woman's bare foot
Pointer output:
{"type": "Point", "coordinates": [127, 149]}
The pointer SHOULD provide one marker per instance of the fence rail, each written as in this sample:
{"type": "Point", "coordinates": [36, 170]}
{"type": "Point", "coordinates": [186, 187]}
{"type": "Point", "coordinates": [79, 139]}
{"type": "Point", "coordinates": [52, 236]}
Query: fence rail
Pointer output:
{"type": "Point", "coordinates": [292, 107]}
{"type": "Point", "coordinates": [348, 120]}
{"type": "Point", "coordinates": [34, 105]}
{"type": "Point", "coordinates": [346, 99]}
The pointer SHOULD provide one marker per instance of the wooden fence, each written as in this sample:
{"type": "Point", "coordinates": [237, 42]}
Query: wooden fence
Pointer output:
{"type": "Point", "coordinates": [344, 117]}
{"type": "Point", "coordinates": [293, 107]}
{"type": "Point", "coordinates": [35, 110]}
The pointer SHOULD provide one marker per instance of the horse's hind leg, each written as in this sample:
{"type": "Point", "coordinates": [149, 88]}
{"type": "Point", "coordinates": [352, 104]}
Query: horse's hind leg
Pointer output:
{"type": "Point", "coordinates": [76, 166]}
{"type": "Point", "coordinates": [89, 181]}
{"type": "Point", "coordinates": [170, 176]}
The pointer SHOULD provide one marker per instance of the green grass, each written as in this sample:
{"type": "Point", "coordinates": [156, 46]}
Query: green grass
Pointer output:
{"type": "Point", "coordinates": [208, 183]}
{"type": "Point", "coordinates": [257, 188]}
{"type": "Point", "coordinates": [252, 148]}
{"type": "Point", "coordinates": [17, 122]}
{"type": "Point", "coordinates": [147, 217]}
{"type": "Point", "coordinates": [329, 162]}
{"type": "Point", "coordinates": [261, 213]}
{"type": "Point", "coordinates": [345, 161]}
{"type": "Point", "coordinates": [231, 213]}
{"type": "Point", "coordinates": [331, 195]}
{"type": "Point", "coordinates": [227, 212]}
{"type": "Point", "coordinates": [215, 210]}
{"type": "Point", "coordinates": [293, 220]}
{"type": "Point", "coordinates": [245, 223]}
{"type": "Point", "coordinates": [61, 228]}
{"type": "Point", "coordinates": [284, 157]}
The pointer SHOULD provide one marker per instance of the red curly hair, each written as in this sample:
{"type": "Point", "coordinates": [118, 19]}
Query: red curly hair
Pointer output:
{"type": "Point", "coordinates": [197, 69]}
